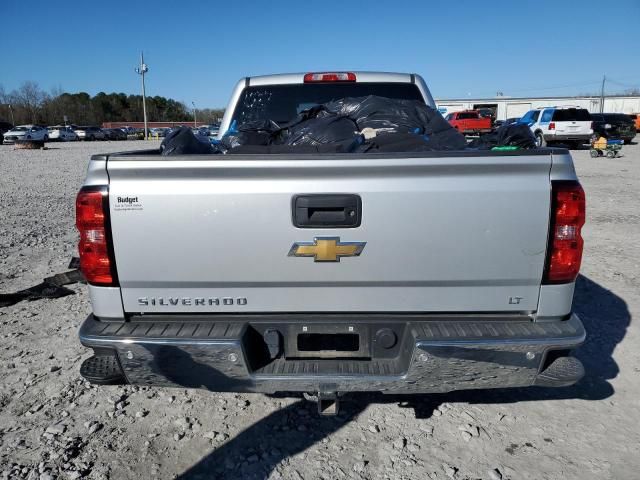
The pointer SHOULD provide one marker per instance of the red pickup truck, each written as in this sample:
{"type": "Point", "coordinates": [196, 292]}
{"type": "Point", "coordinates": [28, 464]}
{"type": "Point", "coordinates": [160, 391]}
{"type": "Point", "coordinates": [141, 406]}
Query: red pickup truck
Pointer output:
{"type": "Point", "coordinates": [469, 122]}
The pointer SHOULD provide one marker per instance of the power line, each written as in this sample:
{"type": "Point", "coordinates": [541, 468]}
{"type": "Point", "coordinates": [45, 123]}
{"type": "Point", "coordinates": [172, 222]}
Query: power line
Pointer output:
{"type": "Point", "coordinates": [635, 77]}
{"type": "Point", "coordinates": [621, 84]}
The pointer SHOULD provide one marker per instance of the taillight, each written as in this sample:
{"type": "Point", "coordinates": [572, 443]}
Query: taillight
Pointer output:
{"type": "Point", "coordinates": [552, 126]}
{"type": "Point", "coordinates": [329, 77]}
{"type": "Point", "coordinates": [564, 252]}
{"type": "Point", "coordinates": [96, 259]}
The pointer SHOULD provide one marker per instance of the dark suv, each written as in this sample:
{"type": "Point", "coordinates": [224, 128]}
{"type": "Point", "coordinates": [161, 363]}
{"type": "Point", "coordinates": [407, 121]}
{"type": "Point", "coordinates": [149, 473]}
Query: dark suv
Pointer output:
{"type": "Point", "coordinates": [90, 133]}
{"type": "Point", "coordinates": [614, 126]}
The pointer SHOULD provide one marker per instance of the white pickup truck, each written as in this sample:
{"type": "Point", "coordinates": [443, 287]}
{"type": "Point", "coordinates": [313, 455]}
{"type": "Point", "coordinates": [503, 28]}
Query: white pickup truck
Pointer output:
{"type": "Point", "coordinates": [331, 273]}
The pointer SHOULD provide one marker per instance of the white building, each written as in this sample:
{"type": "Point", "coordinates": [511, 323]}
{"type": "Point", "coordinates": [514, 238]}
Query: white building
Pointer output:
{"type": "Point", "coordinates": [510, 107]}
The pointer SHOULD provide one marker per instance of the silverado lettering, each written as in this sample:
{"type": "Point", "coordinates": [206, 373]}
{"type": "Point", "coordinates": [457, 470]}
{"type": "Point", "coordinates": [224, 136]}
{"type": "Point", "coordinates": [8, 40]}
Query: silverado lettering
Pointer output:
{"type": "Point", "coordinates": [188, 301]}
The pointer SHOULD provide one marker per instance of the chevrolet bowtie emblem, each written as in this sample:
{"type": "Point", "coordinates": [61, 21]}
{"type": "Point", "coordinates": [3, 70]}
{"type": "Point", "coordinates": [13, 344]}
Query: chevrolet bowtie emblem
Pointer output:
{"type": "Point", "coordinates": [326, 249]}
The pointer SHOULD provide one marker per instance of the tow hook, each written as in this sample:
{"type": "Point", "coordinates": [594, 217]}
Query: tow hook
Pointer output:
{"type": "Point", "coordinates": [328, 403]}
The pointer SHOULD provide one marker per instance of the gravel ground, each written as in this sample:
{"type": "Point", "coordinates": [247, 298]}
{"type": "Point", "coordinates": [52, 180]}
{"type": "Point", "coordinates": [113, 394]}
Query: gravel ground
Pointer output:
{"type": "Point", "coordinates": [54, 425]}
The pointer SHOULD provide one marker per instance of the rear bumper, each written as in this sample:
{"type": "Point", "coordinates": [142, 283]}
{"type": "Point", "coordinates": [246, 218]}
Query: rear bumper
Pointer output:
{"type": "Point", "coordinates": [578, 137]}
{"type": "Point", "coordinates": [434, 354]}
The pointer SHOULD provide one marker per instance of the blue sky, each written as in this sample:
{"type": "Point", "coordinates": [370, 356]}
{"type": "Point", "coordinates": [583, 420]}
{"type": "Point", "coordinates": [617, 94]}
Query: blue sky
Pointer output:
{"type": "Point", "coordinates": [196, 51]}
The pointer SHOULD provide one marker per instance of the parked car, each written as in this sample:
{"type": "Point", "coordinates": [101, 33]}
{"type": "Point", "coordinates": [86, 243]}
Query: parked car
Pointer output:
{"type": "Point", "coordinates": [202, 132]}
{"type": "Point", "coordinates": [132, 133]}
{"type": "Point", "coordinates": [214, 130]}
{"type": "Point", "coordinates": [614, 126]}
{"type": "Point", "coordinates": [114, 134]}
{"type": "Point", "coordinates": [469, 122]}
{"type": "Point", "coordinates": [417, 277]}
{"type": "Point", "coordinates": [569, 125]}
{"type": "Point", "coordinates": [107, 133]}
{"type": "Point", "coordinates": [158, 132]}
{"type": "Point", "coordinates": [90, 133]}
{"type": "Point", "coordinates": [62, 133]}
{"type": "Point", "coordinates": [5, 127]}
{"type": "Point", "coordinates": [137, 134]}
{"type": "Point", "coordinates": [209, 130]}
{"type": "Point", "coordinates": [25, 132]}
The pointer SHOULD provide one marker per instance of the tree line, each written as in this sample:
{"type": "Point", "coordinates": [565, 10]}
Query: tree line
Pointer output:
{"type": "Point", "coordinates": [30, 104]}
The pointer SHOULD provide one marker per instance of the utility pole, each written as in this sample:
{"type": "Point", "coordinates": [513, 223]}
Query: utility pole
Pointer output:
{"type": "Point", "coordinates": [195, 120]}
{"type": "Point", "coordinates": [604, 77]}
{"type": "Point", "coordinates": [141, 70]}
{"type": "Point", "coordinates": [13, 121]}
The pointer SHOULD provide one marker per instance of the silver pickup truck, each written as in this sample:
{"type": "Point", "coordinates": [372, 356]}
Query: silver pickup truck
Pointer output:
{"type": "Point", "coordinates": [331, 273]}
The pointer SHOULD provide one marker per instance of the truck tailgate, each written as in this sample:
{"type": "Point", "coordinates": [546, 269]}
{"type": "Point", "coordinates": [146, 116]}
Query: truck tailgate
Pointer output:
{"type": "Point", "coordinates": [441, 233]}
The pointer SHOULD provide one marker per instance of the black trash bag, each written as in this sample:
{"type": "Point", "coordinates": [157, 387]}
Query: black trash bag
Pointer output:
{"type": "Point", "coordinates": [346, 146]}
{"type": "Point", "coordinates": [388, 114]}
{"type": "Point", "coordinates": [271, 149]}
{"type": "Point", "coordinates": [182, 141]}
{"type": "Point", "coordinates": [308, 114]}
{"type": "Point", "coordinates": [512, 135]}
{"type": "Point", "coordinates": [446, 139]}
{"type": "Point", "coordinates": [393, 116]}
{"type": "Point", "coordinates": [394, 142]}
{"type": "Point", "coordinates": [379, 113]}
{"type": "Point", "coordinates": [258, 132]}
{"type": "Point", "coordinates": [322, 130]}
{"type": "Point", "coordinates": [407, 142]}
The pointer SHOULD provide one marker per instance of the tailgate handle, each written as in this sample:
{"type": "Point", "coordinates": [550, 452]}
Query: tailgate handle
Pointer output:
{"type": "Point", "coordinates": [327, 211]}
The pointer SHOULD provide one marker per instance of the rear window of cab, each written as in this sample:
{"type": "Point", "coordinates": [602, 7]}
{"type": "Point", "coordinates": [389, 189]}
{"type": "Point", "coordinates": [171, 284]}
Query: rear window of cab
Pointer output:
{"type": "Point", "coordinates": [281, 103]}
